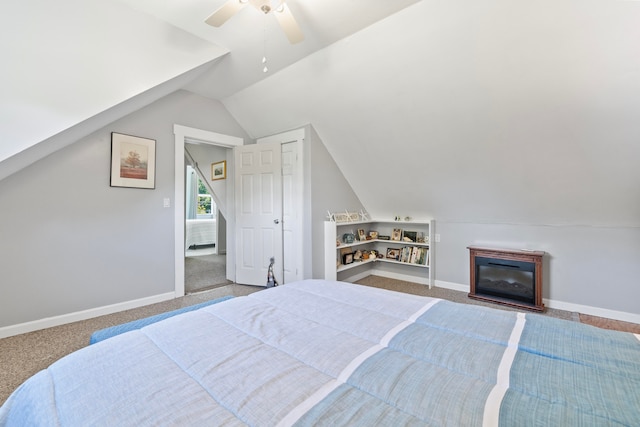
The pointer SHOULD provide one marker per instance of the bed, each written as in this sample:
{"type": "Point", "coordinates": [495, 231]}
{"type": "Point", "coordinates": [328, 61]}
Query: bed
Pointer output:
{"type": "Point", "coordinates": [329, 353]}
{"type": "Point", "coordinates": [200, 232]}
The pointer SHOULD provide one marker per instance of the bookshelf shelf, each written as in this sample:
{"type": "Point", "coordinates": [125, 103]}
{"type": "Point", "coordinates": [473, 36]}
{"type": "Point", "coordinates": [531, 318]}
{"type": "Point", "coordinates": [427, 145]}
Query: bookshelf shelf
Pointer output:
{"type": "Point", "coordinates": [407, 251]}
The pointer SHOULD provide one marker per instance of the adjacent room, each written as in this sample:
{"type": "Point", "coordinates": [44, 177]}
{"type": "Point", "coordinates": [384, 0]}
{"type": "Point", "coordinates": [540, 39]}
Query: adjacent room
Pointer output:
{"type": "Point", "coordinates": [264, 205]}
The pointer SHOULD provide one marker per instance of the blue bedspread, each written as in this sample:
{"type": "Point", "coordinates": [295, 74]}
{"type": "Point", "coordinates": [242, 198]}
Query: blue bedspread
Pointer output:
{"type": "Point", "coordinates": [330, 353]}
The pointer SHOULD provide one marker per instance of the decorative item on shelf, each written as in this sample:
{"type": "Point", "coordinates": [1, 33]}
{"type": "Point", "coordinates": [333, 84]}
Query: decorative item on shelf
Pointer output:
{"type": "Point", "coordinates": [373, 254]}
{"type": "Point", "coordinates": [348, 238]}
{"type": "Point", "coordinates": [397, 218]}
{"type": "Point", "coordinates": [420, 237]}
{"type": "Point", "coordinates": [410, 236]}
{"type": "Point", "coordinates": [364, 216]}
{"type": "Point", "coordinates": [373, 234]}
{"type": "Point", "coordinates": [357, 255]}
{"type": "Point", "coordinates": [340, 217]}
{"type": "Point", "coordinates": [407, 218]}
{"type": "Point", "coordinates": [347, 258]}
{"type": "Point", "coordinates": [337, 242]}
{"type": "Point", "coordinates": [361, 236]}
{"type": "Point", "coordinates": [346, 216]}
{"type": "Point", "coordinates": [393, 253]}
{"type": "Point", "coordinates": [365, 255]}
{"type": "Point", "coordinates": [381, 237]}
{"type": "Point", "coordinates": [396, 235]}
{"type": "Point", "coordinates": [353, 216]}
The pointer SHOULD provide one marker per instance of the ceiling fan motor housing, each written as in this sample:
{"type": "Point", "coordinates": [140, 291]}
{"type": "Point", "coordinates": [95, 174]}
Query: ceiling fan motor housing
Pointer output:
{"type": "Point", "coordinates": [266, 6]}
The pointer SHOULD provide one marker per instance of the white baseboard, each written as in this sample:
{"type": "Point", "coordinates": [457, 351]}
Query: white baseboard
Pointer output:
{"type": "Point", "coordinates": [561, 305]}
{"type": "Point", "coordinates": [356, 277]}
{"type": "Point", "coordinates": [453, 286]}
{"type": "Point", "coordinates": [399, 276]}
{"type": "Point", "coordinates": [593, 311]}
{"type": "Point", "coordinates": [49, 322]}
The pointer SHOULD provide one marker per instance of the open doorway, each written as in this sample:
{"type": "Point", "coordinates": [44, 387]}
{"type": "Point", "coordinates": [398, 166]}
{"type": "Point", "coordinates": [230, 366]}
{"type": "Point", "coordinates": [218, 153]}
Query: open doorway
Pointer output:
{"type": "Point", "coordinates": [205, 245]}
{"type": "Point", "coordinates": [205, 266]}
{"type": "Point", "coordinates": [184, 135]}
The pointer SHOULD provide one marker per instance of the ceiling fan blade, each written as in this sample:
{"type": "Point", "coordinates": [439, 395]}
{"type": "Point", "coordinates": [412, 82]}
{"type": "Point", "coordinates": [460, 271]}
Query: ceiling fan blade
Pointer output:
{"type": "Point", "coordinates": [226, 11]}
{"type": "Point", "coordinates": [288, 23]}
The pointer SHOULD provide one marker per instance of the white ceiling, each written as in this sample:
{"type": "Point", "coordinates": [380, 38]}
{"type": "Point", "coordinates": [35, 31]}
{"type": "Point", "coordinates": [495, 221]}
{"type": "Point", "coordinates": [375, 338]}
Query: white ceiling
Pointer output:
{"type": "Point", "coordinates": [71, 66]}
{"type": "Point", "coordinates": [247, 34]}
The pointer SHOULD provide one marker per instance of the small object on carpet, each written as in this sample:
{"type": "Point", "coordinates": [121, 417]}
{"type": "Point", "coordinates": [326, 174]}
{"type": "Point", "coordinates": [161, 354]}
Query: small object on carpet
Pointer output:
{"type": "Point", "coordinates": [105, 333]}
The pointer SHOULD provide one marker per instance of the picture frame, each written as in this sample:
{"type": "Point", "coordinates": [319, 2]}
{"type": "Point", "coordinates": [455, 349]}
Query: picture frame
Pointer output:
{"type": "Point", "coordinates": [347, 258]}
{"type": "Point", "coordinates": [219, 170]}
{"type": "Point", "coordinates": [396, 235]}
{"type": "Point", "coordinates": [361, 235]}
{"type": "Point", "coordinates": [341, 217]}
{"type": "Point", "coordinates": [133, 161]}
{"type": "Point", "coordinates": [393, 253]}
{"type": "Point", "coordinates": [373, 235]}
{"type": "Point", "coordinates": [411, 235]}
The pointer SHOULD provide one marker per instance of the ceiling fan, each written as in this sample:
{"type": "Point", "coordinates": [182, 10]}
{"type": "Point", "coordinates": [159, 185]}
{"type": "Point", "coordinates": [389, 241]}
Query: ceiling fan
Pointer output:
{"type": "Point", "coordinates": [277, 8]}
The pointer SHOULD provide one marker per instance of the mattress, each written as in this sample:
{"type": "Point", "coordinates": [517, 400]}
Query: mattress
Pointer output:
{"type": "Point", "coordinates": [329, 353]}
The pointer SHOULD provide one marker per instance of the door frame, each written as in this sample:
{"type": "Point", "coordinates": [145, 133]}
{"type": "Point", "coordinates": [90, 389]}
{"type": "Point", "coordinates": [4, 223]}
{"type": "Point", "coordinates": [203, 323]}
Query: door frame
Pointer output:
{"type": "Point", "coordinates": [181, 135]}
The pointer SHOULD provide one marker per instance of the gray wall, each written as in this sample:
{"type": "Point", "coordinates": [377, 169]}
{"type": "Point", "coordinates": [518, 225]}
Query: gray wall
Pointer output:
{"type": "Point", "coordinates": [508, 117]}
{"type": "Point", "coordinates": [70, 242]}
{"type": "Point", "coordinates": [589, 266]}
{"type": "Point", "coordinates": [329, 191]}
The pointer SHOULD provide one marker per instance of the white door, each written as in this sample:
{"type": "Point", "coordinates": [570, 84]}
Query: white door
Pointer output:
{"type": "Point", "coordinates": [292, 210]}
{"type": "Point", "coordinates": [258, 183]}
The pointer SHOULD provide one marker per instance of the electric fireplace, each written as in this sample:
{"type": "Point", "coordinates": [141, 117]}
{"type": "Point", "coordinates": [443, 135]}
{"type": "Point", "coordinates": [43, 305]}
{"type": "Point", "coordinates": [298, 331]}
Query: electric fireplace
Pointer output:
{"type": "Point", "coordinates": [507, 276]}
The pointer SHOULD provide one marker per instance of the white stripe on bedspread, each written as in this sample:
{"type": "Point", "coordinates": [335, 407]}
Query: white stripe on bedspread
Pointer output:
{"type": "Point", "coordinates": [332, 385]}
{"type": "Point", "coordinates": [491, 414]}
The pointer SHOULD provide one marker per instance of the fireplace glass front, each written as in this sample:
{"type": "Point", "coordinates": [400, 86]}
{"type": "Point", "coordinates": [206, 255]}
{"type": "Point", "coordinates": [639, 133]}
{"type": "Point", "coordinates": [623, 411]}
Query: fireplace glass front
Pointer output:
{"type": "Point", "coordinates": [506, 279]}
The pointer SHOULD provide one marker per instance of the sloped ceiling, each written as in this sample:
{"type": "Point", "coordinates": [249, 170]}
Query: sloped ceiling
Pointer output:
{"type": "Point", "coordinates": [68, 60]}
{"type": "Point", "coordinates": [71, 66]}
{"type": "Point", "coordinates": [494, 111]}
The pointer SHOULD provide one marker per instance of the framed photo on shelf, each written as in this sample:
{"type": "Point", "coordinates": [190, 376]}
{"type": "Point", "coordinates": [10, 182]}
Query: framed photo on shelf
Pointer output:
{"type": "Point", "coordinates": [393, 253]}
{"type": "Point", "coordinates": [347, 258]}
{"type": "Point", "coordinates": [133, 161]}
{"type": "Point", "coordinates": [412, 235]}
{"type": "Point", "coordinates": [396, 235]}
{"type": "Point", "coordinates": [219, 170]}
{"type": "Point", "coordinates": [361, 235]}
{"type": "Point", "coordinates": [373, 234]}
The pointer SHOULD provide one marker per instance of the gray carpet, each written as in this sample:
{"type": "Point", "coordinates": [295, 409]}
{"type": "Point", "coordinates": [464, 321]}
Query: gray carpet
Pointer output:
{"type": "Point", "coordinates": [21, 356]}
{"type": "Point", "coordinates": [205, 272]}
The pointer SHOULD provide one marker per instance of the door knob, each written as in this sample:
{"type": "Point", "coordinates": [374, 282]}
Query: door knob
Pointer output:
{"type": "Point", "coordinates": [276, 221]}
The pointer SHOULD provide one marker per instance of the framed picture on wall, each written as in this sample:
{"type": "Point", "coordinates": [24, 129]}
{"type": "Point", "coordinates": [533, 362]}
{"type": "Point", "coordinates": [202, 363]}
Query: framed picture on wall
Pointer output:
{"type": "Point", "coordinates": [219, 170]}
{"type": "Point", "coordinates": [133, 161]}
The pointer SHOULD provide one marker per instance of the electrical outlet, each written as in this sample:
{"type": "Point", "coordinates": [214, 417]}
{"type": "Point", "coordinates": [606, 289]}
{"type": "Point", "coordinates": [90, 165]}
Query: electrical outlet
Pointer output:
{"type": "Point", "coordinates": [167, 202]}
{"type": "Point", "coordinates": [437, 237]}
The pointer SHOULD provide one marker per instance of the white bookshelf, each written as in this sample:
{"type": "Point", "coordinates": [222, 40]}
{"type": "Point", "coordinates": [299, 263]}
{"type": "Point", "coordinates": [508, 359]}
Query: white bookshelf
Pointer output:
{"type": "Point", "coordinates": [335, 248]}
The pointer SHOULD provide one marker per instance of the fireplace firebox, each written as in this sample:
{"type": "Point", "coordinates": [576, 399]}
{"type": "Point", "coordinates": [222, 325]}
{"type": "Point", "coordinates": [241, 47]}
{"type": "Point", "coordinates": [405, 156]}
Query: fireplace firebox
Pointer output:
{"type": "Point", "coordinates": [507, 276]}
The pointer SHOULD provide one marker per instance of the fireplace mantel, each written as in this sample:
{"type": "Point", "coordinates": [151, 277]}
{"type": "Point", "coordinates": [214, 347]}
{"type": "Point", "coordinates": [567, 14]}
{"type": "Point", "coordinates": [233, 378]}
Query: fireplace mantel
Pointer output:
{"type": "Point", "coordinates": [507, 259]}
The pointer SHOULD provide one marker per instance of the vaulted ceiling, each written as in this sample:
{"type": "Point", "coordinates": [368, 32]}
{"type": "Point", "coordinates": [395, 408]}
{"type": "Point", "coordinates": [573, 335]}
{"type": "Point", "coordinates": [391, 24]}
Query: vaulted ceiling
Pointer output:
{"type": "Point", "coordinates": [512, 111]}
{"type": "Point", "coordinates": [72, 66]}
